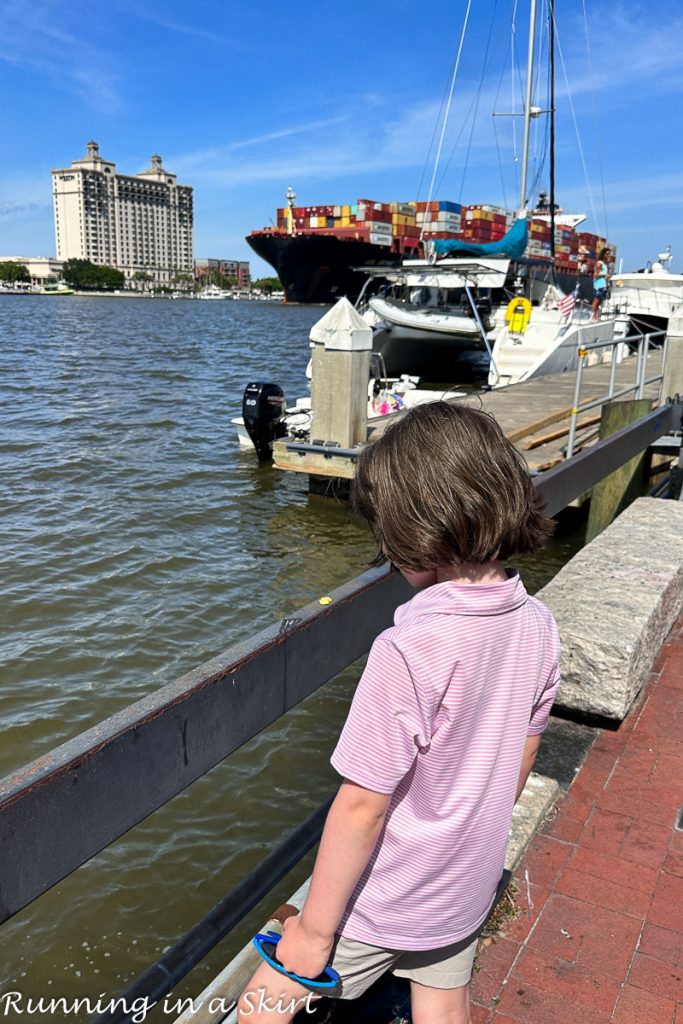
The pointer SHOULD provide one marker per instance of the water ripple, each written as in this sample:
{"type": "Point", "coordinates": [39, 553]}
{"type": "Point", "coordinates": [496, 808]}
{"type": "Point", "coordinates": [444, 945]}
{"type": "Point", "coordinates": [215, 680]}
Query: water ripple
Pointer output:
{"type": "Point", "coordinates": [138, 542]}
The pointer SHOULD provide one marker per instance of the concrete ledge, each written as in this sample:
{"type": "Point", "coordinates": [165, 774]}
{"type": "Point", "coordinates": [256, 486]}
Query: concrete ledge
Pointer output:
{"type": "Point", "coordinates": [615, 602]}
{"type": "Point", "coordinates": [537, 799]}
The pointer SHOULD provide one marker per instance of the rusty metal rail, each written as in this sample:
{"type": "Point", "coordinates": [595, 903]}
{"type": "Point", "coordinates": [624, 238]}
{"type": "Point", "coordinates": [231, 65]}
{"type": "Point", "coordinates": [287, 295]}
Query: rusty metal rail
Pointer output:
{"type": "Point", "coordinates": [66, 806]}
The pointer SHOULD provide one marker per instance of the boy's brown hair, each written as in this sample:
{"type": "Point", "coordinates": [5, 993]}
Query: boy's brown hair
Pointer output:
{"type": "Point", "coordinates": [443, 485]}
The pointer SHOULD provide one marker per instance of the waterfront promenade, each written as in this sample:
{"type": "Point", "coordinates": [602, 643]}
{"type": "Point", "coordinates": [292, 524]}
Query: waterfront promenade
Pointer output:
{"type": "Point", "coordinates": [599, 936]}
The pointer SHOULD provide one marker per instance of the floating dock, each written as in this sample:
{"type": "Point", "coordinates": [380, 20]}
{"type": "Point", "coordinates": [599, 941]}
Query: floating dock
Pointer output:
{"type": "Point", "coordinates": [535, 415]}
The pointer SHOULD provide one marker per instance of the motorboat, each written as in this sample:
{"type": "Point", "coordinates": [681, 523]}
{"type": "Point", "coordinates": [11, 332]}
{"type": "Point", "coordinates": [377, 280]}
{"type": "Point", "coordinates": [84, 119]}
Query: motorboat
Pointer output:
{"type": "Point", "coordinates": [212, 291]}
{"type": "Point", "coordinates": [56, 288]}
{"type": "Point", "coordinates": [385, 397]}
{"type": "Point", "coordinates": [643, 300]}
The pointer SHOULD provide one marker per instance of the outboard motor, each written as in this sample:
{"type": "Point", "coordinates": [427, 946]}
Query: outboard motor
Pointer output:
{"type": "Point", "coordinates": [263, 410]}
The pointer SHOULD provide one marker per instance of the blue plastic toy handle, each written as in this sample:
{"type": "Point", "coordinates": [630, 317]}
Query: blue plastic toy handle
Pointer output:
{"type": "Point", "coordinates": [329, 978]}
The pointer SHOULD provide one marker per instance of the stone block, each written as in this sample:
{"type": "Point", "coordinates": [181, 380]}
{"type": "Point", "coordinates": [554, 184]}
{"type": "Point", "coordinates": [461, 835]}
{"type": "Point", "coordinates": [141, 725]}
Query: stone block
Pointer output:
{"type": "Point", "coordinates": [614, 603]}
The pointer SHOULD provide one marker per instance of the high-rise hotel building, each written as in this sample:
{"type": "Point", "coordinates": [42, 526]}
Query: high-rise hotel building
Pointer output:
{"type": "Point", "coordinates": [140, 224]}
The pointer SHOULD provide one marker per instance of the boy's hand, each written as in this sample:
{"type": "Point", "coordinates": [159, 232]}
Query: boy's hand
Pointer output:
{"type": "Point", "coordinates": [301, 952]}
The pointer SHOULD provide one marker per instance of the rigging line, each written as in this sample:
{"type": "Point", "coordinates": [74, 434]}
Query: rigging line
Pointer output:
{"type": "Point", "coordinates": [513, 30]}
{"type": "Point", "coordinates": [576, 126]}
{"type": "Point", "coordinates": [473, 109]}
{"type": "Point", "coordinates": [437, 121]}
{"type": "Point", "coordinates": [540, 137]}
{"type": "Point", "coordinates": [546, 131]}
{"type": "Point", "coordinates": [463, 126]}
{"type": "Point", "coordinates": [512, 88]}
{"type": "Point", "coordinates": [448, 107]}
{"type": "Point", "coordinates": [484, 68]}
{"type": "Point", "coordinates": [595, 121]}
{"type": "Point", "coordinates": [515, 64]}
{"type": "Point", "coordinates": [500, 165]}
{"type": "Point", "coordinates": [538, 160]}
{"type": "Point", "coordinates": [541, 163]}
{"type": "Point", "coordinates": [486, 63]}
{"type": "Point", "coordinates": [503, 69]}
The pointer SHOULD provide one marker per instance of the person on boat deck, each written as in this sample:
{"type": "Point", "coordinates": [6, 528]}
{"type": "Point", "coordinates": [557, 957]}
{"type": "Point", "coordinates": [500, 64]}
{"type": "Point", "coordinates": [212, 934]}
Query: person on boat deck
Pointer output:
{"type": "Point", "coordinates": [442, 732]}
{"type": "Point", "coordinates": [600, 279]}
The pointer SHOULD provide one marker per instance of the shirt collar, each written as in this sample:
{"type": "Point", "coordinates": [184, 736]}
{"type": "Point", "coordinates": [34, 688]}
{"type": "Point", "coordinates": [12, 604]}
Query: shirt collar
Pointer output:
{"type": "Point", "coordinates": [452, 598]}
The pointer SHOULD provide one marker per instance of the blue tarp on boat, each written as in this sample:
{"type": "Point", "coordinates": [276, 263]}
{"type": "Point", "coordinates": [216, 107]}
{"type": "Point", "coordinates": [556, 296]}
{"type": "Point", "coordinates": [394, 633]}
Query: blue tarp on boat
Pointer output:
{"type": "Point", "coordinates": [511, 245]}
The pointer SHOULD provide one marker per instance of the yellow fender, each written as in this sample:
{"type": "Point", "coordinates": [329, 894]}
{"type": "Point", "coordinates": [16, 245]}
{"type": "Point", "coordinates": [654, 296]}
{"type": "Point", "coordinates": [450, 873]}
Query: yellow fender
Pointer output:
{"type": "Point", "coordinates": [517, 315]}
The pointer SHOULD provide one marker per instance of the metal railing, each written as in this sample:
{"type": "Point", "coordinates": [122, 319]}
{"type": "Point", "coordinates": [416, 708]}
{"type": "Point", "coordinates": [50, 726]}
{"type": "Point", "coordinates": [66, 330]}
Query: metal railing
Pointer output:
{"type": "Point", "coordinates": [644, 343]}
{"type": "Point", "coordinates": [71, 803]}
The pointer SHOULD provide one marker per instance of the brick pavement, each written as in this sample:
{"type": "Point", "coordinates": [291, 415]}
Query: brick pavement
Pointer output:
{"type": "Point", "coordinates": [600, 936]}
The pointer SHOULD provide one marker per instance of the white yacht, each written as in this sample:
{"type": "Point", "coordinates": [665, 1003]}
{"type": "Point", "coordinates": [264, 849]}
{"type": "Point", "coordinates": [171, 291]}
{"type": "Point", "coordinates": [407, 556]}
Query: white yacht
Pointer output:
{"type": "Point", "coordinates": [643, 300]}
{"type": "Point", "coordinates": [212, 291]}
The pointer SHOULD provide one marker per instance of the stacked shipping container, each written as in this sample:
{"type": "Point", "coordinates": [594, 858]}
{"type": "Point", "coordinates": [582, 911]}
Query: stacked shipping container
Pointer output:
{"type": "Point", "coordinates": [365, 220]}
{"type": "Point", "coordinates": [401, 226]}
{"type": "Point", "coordinates": [485, 224]}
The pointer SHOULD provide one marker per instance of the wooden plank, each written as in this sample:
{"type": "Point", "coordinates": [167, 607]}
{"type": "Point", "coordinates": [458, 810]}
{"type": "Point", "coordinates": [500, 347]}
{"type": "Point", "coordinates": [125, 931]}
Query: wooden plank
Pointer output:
{"type": "Point", "coordinates": [536, 442]}
{"type": "Point", "coordinates": [313, 463]}
{"type": "Point", "coordinates": [532, 428]}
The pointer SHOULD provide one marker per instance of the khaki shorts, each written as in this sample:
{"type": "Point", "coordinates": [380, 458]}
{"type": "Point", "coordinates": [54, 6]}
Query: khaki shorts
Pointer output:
{"type": "Point", "coordinates": [359, 965]}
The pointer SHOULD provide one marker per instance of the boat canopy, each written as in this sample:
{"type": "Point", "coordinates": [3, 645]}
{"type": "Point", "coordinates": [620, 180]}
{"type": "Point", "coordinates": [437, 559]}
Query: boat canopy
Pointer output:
{"type": "Point", "coordinates": [512, 244]}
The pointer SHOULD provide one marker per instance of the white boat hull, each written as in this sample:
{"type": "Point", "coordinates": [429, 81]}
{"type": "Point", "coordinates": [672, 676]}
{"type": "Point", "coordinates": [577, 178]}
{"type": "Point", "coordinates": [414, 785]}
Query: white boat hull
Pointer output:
{"type": "Point", "coordinates": [299, 418]}
{"type": "Point", "coordinates": [549, 345]}
{"type": "Point", "coordinates": [642, 298]}
{"type": "Point", "coordinates": [408, 322]}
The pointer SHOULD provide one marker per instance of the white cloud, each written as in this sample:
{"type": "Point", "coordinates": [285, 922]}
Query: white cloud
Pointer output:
{"type": "Point", "coordinates": [13, 208]}
{"type": "Point", "coordinates": [643, 192]}
{"type": "Point", "coordinates": [34, 38]}
{"type": "Point", "coordinates": [186, 161]}
{"type": "Point", "coordinates": [26, 192]}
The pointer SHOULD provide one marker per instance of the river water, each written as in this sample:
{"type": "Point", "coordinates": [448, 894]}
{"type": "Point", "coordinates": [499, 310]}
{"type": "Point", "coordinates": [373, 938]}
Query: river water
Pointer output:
{"type": "Point", "coordinates": [139, 541]}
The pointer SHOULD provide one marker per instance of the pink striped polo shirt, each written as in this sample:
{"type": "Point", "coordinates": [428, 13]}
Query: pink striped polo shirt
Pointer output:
{"type": "Point", "coordinates": [439, 719]}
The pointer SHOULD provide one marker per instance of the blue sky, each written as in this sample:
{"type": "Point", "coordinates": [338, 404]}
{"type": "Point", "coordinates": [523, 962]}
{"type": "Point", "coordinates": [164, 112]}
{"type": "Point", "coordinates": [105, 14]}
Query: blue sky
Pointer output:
{"type": "Point", "coordinates": [339, 100]}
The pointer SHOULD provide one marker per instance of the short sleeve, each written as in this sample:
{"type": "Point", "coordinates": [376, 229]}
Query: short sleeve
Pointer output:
{"type": "Point", "coordinates": [545, 699]}
{"type": "Point", "coordinates": [387, 724]}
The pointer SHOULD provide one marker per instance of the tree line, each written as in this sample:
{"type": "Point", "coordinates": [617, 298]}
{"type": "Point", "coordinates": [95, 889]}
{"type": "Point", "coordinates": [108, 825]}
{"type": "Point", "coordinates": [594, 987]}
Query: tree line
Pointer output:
{"type": "Point", "coordinates": [83, 275]}
{"type": "Point", "coordinates": [90, 277]}
{"type": "Point", "coordinates": [14, 273]}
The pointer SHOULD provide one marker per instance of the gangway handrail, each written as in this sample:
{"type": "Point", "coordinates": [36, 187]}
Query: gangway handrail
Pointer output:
{"type": "Point", "coordinates": [644, 342]}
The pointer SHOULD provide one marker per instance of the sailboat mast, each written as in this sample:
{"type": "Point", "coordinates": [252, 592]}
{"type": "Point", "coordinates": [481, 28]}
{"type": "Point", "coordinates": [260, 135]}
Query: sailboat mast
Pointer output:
{"type": "Point", "coordinates": [551, 75]}
{"type": "Point", "coordinates": [527, 103]}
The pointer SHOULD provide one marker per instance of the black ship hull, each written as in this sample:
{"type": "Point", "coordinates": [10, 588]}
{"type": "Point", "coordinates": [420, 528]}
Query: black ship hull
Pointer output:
{"type": "Point", "coordinates": [319, 268]}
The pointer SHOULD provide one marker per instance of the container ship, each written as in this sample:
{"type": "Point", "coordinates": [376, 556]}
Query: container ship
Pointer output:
{"type": "Point", "coordinates": [316, 250]}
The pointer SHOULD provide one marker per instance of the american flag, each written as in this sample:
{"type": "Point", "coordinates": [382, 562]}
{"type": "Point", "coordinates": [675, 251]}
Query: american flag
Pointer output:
{"type": "Point", "coordinates": [567, 302]}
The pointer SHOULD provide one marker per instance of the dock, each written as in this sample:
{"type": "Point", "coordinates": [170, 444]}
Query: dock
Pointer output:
{"type": "Point", "coordinates": [535, 415]}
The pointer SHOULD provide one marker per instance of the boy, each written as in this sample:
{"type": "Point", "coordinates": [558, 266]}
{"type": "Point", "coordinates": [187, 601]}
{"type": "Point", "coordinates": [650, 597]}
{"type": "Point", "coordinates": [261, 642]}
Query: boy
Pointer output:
{"type": "Point", "coordinates": [443, 729]}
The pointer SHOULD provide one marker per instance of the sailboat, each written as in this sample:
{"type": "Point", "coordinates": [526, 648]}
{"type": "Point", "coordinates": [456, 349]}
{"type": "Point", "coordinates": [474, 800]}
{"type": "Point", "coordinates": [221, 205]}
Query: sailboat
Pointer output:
{"type": "Point", "coordinates": [488, 304]}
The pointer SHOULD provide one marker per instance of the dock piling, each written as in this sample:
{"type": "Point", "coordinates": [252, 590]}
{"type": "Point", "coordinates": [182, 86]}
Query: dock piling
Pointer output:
{"type": "Point", "coordinates": [672, 383]}
{"type": "Point", "coordinates": [621, 487]}
{"type": "Point", "coordinates": [342, 343]}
